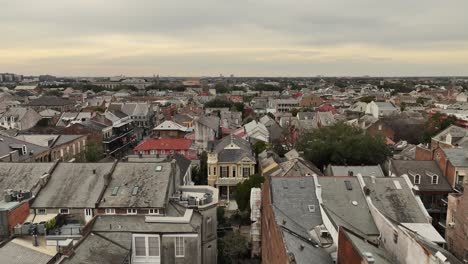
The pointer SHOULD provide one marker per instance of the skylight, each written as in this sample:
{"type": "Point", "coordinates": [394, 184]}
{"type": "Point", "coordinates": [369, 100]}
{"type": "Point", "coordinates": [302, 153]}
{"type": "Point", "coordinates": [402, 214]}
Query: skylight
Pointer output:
{"type": "Point", "coordinates": [135, 190]}
{"type": "Point", "coordinates": [159, 168]}
{"type": "Point", "coordinates": [115, 190]}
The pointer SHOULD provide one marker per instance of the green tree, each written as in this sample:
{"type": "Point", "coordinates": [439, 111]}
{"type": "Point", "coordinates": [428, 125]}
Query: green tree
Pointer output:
{"type": "Point", "coordinates": [342, 144]}
{"type": "Point", "coordinates": [367, 99]}
{"type": "Point", "coordinates": [402, 106]}
{"type": "Point", "coordinates": [436, 124]}
{"type": "Point", "coordinates": [232, 248]}
{"type": "Point", "coordinates": [53, 93]}
{"type": "Point", "coordinates": [421, 100]}
{"type": "Point", "coordinates": [243, 190]}
{"type": "Point", "coordinates": [259, 147]}
{"type": "Point", "coordinates": [220, 216]}
{"type": "Point", "coordinates": [200, 173]}
{"type": "Point", "coordinates": [267, 87]}
{"type": "Point", "coordinates": [93, 152]}
{"type": "Point", "coordinates": [239, 107]}
{"type": "Point", "coordinates": [294, 111]}
{"type": "Point", "coordinates": [221, 88]}
{"type": "Point", "coordinates": [218, 102]}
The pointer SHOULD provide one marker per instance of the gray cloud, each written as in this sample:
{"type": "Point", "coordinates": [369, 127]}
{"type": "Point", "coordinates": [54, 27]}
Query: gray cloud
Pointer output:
{"type": "Point", "coordinates": [301, 31]}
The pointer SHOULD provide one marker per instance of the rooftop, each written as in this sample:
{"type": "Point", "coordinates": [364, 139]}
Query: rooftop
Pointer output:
{"type": "Point", "coordinates": [50, 101]}
{"type": "Point", "coordinates": [73, 185]}
{"type": "Point", "coordinates": [164, 144]}
{"type": "Point", "coordinates": [363, 170]}
{"type": "Point", "coordinates": [8, 144]}
{"type": "Point", "coordinates": [16, 253]}
{"type": "Point", "coordinates": [426, 169]}
{"type": "Point", "coordinates": [457, 156]}
{"type": "Point", "coordinates": [21, 176]}
{"type": "Point", "coordinates": [346, 205]}
{"type": "Point", "coordinates": [138, 185]}
{"type": "Point", "coordinates": [394, 198]}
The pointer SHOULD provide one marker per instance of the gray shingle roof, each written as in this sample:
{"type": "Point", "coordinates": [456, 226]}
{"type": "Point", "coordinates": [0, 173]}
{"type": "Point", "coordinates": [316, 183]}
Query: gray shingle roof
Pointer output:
{"type": "Point", "coordinates": [380, 254]}
{"type": "Point", "coordinates": [50, 101]}
{"type": "Point", "coordinates": [97, 249]}
{"type": "Point", "coordinates": [457, 156]}
{"type": "Point", "coordinates": [152, 186]}
{"type": "Point", "coordinates": [290, 199]}
{"type": "Point", "coordinates": [209, 121]}
{"type": "Point", "coordinates": [13, 253]}
{"type": "Point", "coordinates": [338, 203]}
{"type": "Point", "coordinates": [73, 185]}
{"type": "Point", "coordinates": [226, 154]}
{"type": "Point", "coordinates": [21, 176]}
{"type": "Point", "coordinates": [393, 197]}
{"type": "Point", "coordinates": [363, 170]}
{"type": "Point", "coordinates": [425, 168]}
{"type": "Point", "coordinates": [7, 142]}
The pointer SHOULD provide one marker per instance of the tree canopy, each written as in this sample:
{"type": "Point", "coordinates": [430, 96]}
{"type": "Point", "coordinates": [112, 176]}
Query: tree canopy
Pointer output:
{"type": "Point", "coordinates": [221, 88]}
{"type": "Point", "coordinates": [243, 190]}
{"type": "Point", "coordinates": [342, 144]}
{"type": "Point", "coordinates": [218, 102]}
{"type": "Point", "coordinates": [232, 248]}
{"type": "Point", "coordinates": [94, 151]}
{"type": "Point", "coordinates": [200, 173]}
{"type": "Point", "coordinates": [435, 124]}
{"type": "Point", "coordinates": [367, 99]}
{"type": "Point", "coordinates": [267, 87]}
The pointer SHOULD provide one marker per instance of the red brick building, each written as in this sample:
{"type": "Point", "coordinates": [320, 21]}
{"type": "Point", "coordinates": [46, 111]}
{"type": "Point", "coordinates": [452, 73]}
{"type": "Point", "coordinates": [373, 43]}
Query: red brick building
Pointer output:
{"type": "Point", "coordinates": [165, 146]}
{"type": "Point", "coordinates": [273, 248]}
{"type": "Point", "coordinates": [456, 232]}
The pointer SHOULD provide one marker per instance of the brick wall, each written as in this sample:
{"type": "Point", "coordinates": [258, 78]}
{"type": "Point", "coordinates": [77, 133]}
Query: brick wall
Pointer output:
{"type": "Point", "coordinates": [273, 248]}
{"type": "Point", "coordinates": [423, 153]}
{"type": "Point", "coordinates": [457, 213]}
{"type": "Point", "coordinates": [381, 129]}
{"type": "Point", "coordinates": [18, 215]}
{"type": "Point", "coordinates": [451, 174]}
{"type": "Point", "coordinates": [347, 254]}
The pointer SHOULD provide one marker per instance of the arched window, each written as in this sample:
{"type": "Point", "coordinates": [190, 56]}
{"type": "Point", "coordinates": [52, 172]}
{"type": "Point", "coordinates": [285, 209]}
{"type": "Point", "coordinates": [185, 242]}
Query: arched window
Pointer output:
{"type": "Point", "coordinates": [435, 179]}
{"type": "Point", "coordinates": [417, 179]}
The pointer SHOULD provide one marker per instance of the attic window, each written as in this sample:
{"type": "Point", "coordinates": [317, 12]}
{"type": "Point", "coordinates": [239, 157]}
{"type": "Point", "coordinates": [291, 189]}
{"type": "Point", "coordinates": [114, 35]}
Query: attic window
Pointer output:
{"type": "Point", "coordinates": [115, 190]}
{"type": "Point", "coordinates": [435, 179]}
{"type": "Point", "coordinates": [311, 208]}
{"type": "Point", "coordinates": [417, 179]}
{"type": "Point", "coordinates": [24, 149]}
{"type": "Point", "coordinates": [135, 190]}
{"type": "Point", "coordinates": [159, 168]}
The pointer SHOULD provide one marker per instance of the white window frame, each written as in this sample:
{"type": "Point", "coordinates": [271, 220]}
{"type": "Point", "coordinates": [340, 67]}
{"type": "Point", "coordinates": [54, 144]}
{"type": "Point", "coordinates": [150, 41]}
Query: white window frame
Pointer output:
{"type": "Point", "coordinates": [146, 258]}
{"type": "Point", "coordinates": [154, 212]}
{"type": "Point", "coordinates": [132, 211]}
{"type": "Point", "coordinates": [179, 241]}
{"type": "Point", "coordinates": [67, 211]}
{"type": "Point", "coordinates": [109, 211]}
{"type": "Point", "coordinates": [436, 177]}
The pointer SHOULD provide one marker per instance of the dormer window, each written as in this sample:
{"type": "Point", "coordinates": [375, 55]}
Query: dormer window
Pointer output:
{"type": "Point", "coordinates": [24, 150]}
{"type": "Point", "coordinates": [435, 179]}
{"type": "Point", "coordinates": [417, 179]}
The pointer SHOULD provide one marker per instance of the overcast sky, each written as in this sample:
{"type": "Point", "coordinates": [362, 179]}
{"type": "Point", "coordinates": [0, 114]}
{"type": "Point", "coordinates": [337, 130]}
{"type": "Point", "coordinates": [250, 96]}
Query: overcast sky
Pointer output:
{"type": "Point", "coordinates": [240, 37]}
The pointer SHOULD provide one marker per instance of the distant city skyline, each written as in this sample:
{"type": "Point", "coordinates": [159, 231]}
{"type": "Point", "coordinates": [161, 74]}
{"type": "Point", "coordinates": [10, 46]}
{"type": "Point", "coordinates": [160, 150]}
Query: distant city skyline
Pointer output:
{"type": "Point", "coordinates": [244, 38]}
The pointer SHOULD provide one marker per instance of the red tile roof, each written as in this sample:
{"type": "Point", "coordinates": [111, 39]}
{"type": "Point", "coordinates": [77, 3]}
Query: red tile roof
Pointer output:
{"type": "Point", "coordinates": [164, 143]}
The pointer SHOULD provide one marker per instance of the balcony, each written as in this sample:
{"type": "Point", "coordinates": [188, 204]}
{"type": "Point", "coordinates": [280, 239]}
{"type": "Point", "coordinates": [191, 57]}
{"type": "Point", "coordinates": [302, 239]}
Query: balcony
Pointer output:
{"type": "Point", "coordinates": [229, 181]}
{"type": "Point", "coordinates": [118, 136]}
